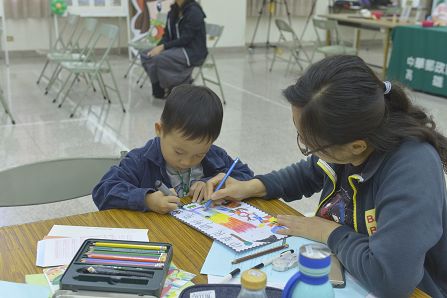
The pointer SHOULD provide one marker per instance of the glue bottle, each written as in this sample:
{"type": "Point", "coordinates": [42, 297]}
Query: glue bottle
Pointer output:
{"type": "Point", "coordinates": [312, 280]}
{"type": "Point", "coordinates": [253, 282]}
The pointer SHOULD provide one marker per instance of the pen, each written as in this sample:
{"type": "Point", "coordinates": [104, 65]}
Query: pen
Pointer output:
{"type": "Point", "coordinates": [230, 275]}
{"type": "Point", "coordinates": [165, 190]}
{"type": "Point", "coordinates": [208, 203]}
{"type": "Point", "coordinates": [269, 261]}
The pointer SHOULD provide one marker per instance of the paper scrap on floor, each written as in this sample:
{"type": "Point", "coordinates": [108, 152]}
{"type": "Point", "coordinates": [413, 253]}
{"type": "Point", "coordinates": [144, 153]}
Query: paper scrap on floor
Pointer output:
{"type": "Point", "coordinates": [18, 290]}
{"type": "Point", "coordinates": [58, 250]}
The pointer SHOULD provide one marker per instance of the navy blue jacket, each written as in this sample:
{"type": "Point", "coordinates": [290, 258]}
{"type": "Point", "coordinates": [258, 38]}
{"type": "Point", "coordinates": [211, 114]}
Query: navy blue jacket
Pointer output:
{"type": "Point", "coordinates": [125, 186]}
{"type": "Point", "coordinates": [188, 32]}
{"type": "Point", "coordinates": [399, 239]}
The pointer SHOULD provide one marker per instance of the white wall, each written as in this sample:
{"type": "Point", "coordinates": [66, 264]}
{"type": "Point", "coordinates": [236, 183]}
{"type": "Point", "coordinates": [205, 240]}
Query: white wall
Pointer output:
{"type": "Point", "coordinates": [232, 15]}
{"type": "Point", "coordinates": [33, 34]}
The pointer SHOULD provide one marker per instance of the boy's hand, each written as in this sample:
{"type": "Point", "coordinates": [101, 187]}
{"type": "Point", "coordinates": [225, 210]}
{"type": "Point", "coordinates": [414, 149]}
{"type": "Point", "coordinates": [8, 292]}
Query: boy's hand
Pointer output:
{"type": "Point", "coordinates": [197, 191]}
{"type": "Point", "coordinates": [160, 203]}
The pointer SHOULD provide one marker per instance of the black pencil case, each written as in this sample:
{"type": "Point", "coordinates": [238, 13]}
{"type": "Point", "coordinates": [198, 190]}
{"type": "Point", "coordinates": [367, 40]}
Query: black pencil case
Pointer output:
{"type": "Point", "coordinates": [116, 278]}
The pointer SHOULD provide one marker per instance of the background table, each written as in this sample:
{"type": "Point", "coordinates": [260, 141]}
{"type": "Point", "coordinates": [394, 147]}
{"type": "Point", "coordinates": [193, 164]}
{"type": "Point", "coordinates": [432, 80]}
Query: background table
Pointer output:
{"type": "Point", "coordinates": [358, 22]}
{"type": "Point", "coordinates": [18, 243]}
{"type": "Point", "coordinates": [419, 58]}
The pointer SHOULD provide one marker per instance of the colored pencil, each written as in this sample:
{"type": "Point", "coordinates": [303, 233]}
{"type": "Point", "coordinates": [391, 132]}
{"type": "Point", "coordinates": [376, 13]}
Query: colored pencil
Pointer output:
{"type": "Point", "coordinates": [106, 252]}
{"type": "Point", "coordinates": [161, 259]}
{"type": "Point", "coordinates": [130, 250]}
{"type": "Point", "coordinates": [120, 268]}
{"type": "Point", "coordinates": [121, 263]}
{"type": "Point", "coordinates": [258, 254]}
{"type": "Point", "coordinates": [222, 182]}
{"type": "Point", "coordinates": [126, 245]}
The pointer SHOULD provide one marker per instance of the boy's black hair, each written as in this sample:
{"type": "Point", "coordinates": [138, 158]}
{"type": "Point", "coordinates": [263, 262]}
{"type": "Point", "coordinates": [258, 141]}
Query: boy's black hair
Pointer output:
{"type": "Point", "coordinates": [195, 111]}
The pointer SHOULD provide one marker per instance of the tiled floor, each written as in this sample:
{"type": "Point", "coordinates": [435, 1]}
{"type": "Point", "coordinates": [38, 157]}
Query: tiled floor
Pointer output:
{"type": "Point", "coordinates": [257, 123]}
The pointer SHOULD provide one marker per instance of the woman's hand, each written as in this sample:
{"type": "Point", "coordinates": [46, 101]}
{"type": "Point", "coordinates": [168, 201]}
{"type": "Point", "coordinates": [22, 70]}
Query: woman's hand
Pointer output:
{"type": "Point", "coordinates": [313, 228]}
{"type": "Point", "coordinates": [156, 51]}
{"type": "Point", "coordinates": [233, 189]}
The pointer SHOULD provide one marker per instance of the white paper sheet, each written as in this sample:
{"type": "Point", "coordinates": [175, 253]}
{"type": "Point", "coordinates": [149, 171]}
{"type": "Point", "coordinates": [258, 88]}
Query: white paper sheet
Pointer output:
{"type": "Point", "coordinates": [99, 232]}
{"type": "Point", "coordinates": [60, 251]}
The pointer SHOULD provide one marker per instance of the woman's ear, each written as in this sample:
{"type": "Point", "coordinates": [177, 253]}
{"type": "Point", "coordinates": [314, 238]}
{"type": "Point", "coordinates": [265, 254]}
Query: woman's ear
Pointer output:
{"type": "Point", "coordinates": [358, 147]}
{"type": "Point", "coordinates": [158, 128]}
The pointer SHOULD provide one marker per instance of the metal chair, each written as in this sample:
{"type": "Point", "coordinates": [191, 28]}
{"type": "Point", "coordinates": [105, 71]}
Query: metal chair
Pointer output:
{"type": "Point", "coordinates": [146, 42]}
{"type": "Point", "coordinates": [292, 44]}
{"type": "Point", "coordinates": [61, 46]}
{"type": "Point", "coordinates": [93, 68]}
{"type": "Point", "coordinates": [213, 32]}
{"type": "Point", "coordinates": [2, 97]}
{"type": "Point", "coordinates": [53, 180]}
{"type": "Point", "coordinates": [76, 53]}
{"type": "Point", "coordinates": [337, 46]}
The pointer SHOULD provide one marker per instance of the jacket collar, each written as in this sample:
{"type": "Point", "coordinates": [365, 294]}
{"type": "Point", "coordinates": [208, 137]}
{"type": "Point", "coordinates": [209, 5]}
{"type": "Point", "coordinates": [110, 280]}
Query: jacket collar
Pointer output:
{"type": "Point", "coordinates": [153, 153]}
{"type": "Point", "coordinates": [372, 165]}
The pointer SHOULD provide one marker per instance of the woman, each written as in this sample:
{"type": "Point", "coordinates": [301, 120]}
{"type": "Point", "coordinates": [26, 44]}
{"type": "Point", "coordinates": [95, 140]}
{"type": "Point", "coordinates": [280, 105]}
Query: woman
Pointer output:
{"type": "Point", "coordinates": [182, 47]}
{"type": "Point", "coordinates": [379, 162]}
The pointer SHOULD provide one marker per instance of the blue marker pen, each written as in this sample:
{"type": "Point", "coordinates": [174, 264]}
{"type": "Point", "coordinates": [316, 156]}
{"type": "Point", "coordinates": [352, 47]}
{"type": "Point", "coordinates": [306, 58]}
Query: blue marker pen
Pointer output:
{"type": "Point", "coordinates": [208, 203]}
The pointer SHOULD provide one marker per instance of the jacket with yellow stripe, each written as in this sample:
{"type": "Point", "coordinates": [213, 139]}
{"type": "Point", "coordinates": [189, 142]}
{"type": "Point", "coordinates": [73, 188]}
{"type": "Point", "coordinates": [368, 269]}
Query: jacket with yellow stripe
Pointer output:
{"type": "Point", "coordinates": [399, 239]}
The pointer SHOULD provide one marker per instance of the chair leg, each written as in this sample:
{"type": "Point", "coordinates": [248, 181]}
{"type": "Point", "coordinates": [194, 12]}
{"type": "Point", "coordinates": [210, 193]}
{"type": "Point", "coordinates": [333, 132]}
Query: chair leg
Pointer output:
{"type": "Point", "coordinates": [144, 81]}
{"type": "Point", "coordinates": [115, 85]}
{"type": "Point", "coordinates": [80, 100]}
{"type": "Point", "coordinates": [103, 86]}
{"type": "Point", "coordinates": [141, 76]}
{"type": "Point", "coordinates": [218, 80]}
{"type": "Point", "coordinates": [131, 64]}
{"type": "Point", "coordinates": [68, 90]}
{"type": "Point", "coordinates": [53, 78]}
{"type": "Point", "coordinates": [43, 71]}
{"type": "Point", "coordinates": [273, 60]}
{"type": "Point", "coordinates": [2, 100]}
{"type": "Point", "coordinates": [62, 87]}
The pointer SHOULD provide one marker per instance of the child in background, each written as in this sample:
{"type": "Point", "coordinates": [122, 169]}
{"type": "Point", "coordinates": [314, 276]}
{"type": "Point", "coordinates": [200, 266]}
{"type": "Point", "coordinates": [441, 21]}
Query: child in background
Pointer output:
{"type": "Point", "coordinates": [182, 156]}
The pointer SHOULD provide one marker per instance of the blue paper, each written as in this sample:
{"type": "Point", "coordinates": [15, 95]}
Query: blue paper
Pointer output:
{"type": "Point", "coordinates": [218, 262]}
{"type": "Point", "coordinates": [17, 290]}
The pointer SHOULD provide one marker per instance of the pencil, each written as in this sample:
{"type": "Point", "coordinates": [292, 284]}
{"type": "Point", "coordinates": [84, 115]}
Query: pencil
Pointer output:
{"type": "Point", "coordinates": [258, 254]}
{"type": "Point", "coordinates": [128, 250]}
{"type": "Point", "coordinates": [126, 245]}
{"type": "Point", "coordinates": [121, 263]}
{"type": "Point", "coordinates": [222, 182]}
{"type": "Point", "coordinates": [138, 254]}
{"type": "Point", "coordinates": [161, 259]}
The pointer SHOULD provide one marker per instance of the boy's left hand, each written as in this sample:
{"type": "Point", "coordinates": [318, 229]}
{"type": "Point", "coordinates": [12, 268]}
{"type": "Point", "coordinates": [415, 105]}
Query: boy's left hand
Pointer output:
{"type": "Point", "coordinates": [313, 228]}
{"type": "Point", "coordinates": [197, 191]}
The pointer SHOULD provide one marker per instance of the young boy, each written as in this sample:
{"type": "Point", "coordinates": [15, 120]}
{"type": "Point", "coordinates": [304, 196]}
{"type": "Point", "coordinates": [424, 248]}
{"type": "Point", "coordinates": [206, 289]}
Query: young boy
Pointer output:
{"type": "Point", "coordinates": [182, 156]}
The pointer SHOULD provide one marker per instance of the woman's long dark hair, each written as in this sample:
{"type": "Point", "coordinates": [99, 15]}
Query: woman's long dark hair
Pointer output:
{"type": "Point", "coordinates": [342, 100]}
{"type": "Point", "coordinates": [175, 9]}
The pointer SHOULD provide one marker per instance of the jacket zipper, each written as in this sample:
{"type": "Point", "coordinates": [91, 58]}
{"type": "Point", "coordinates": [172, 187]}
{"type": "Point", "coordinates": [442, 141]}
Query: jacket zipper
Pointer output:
{"type": "Point", "coordinates": [333, 177]}
{"type": "Point", "coordinates": [178, 37]}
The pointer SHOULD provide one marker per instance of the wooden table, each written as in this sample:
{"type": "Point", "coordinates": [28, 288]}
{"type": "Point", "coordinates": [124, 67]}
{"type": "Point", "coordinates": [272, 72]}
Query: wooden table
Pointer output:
{"type": "Point", "coordinates": [18, 243]}
{"type": "Point", "coordinates": [359, 23]}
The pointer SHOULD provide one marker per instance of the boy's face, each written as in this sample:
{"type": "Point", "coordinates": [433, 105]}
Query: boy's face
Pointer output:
{"type": "Point", "coordinates": [179, 152]}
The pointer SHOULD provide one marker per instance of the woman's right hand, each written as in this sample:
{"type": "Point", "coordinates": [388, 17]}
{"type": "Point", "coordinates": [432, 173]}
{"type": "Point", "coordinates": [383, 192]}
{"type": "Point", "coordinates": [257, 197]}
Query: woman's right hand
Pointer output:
{"type": "Point", "coordinates": [233, 189]}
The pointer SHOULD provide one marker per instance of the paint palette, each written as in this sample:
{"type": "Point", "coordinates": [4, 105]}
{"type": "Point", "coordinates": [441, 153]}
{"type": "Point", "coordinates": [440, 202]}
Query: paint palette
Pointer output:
{"type": "Point", "coordinates": [238, 225]}
{"type": "Point", "coordinates": [115, 266]}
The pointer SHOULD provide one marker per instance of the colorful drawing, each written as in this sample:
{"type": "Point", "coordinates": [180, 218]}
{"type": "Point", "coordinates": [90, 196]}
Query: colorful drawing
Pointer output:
{"type": "Point", "coordinates": [235, 224]}
{"type": "Point", "coordinates": [176, 281]}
